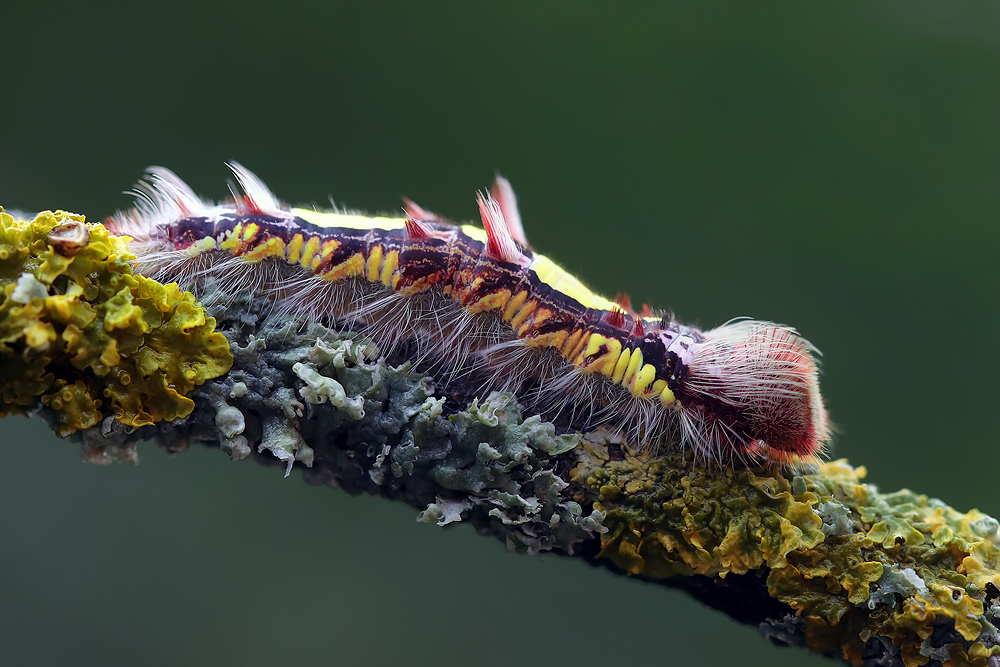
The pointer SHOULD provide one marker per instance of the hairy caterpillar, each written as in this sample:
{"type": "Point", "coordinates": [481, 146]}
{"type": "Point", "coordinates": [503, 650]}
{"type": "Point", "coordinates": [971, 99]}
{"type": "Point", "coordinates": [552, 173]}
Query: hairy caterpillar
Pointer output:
{"type": "Point", "coordinates": [480, 301]}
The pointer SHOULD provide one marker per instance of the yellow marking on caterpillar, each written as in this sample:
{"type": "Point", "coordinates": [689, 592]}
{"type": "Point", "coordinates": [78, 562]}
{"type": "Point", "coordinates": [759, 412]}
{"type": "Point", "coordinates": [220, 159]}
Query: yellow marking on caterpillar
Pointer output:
{"type": "Point", "coordinates": [634, 364]}
{"type": "Point", "coordinates": [475, 233]}
{"type": "Point", "coordinates": [374, 263]}
{"type": "Point", "coordinates": [232, 241]}
{"type": "Point", "coordinates": [315, 263]}
{"type": "Point", "coordinates": [605, 363]}
{"type": "Point", "coordinates": [643, 379]}
{"type": "Point", "coordinates": [250, 232]}
{"type": "Point", "coordinates": [310, 249]}
{"type": "Point", "coordinates": [389, 267]}
{"type": "Point", "coordinates": [658, 386]}
{"type": "Point", "coordinates": [572, 341]}
{"type": "Point", "coordinates": [348, 221]}
{"type": "Point", "coordinates": [514, 305]}
{"type": "Point", "coordinates": [273, 247]}
{"type": "Point", "coordinates": [558, 279]}
{"type": "Point", "coordinates": [621, 365]}
{"type": "Point", "coordinates": [554, 339]}
{"type": "Point", "coordinates": [667, 397]}
{"type": "Point", "coordinates": [201, 245]}
{"type": "Point", "coordinates": [329, 247]}
{"type": "Point", "coordinates": [541, 315]}
{"type": "Point", "coordinates": [415, 287]}
{"type": "Point", "coordinates": [615, 350]}
{"type": "Point", "coordinates": [295, 249]}
{"type": "Point", "coordinates": [349, 268]}
{"type": "Point", "coordinates": [577, 348]}
{"type": "Point", "coordinates": [494, 301]}
{"type": "Point", "coordinates": [524, 314]}
{"type": "Point", "coordinates": [594, 342]}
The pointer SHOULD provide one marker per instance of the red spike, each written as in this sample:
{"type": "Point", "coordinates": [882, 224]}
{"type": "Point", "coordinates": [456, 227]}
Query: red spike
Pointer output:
{"type": "Point", "coordinates": [615, 317]}
{"type": "Point", "coordinates": [625, 301]}
{"type": "Point", "coordinates": [251, 206]}
{"type": "Point", "coordinates": [415, 211]}
{"type": "Point", "coordinates": [637, 329]}
{"type": "Point", "coordinates": [499, 242]}
{"type": "Point", "coordinates": [646, 310]}
{"type": "Point", "coordinates": [252, 195]}
{"type": "Point", "coordinates": [416, 229]}
{"type": "Point", "coordinates": [505, 197]}
{"type": "Point", "coordinates": [245, 205]}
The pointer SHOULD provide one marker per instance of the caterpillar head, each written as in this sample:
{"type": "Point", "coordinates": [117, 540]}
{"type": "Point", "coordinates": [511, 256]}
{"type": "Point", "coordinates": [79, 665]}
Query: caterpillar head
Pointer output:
{"type": "Point", "coordinates": [753, 392]}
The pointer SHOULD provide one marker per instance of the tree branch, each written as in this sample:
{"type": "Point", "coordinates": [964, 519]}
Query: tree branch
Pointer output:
{"type": "Point", "coordinates": [819, 560]}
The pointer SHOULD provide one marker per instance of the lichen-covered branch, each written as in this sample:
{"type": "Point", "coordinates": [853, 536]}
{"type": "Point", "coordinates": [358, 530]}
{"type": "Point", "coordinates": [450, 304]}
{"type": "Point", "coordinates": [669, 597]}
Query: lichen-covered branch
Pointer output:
{"type": "Point", "coordinates": [79, 331]}
{"type": "Point", "coordinates": [819, 560]}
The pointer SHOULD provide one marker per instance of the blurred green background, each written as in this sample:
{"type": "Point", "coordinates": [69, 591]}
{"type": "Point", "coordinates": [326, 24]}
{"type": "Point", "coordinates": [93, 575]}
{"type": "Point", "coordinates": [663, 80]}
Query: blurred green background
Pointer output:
{"type": "Point", "coordinates": [829, 165]}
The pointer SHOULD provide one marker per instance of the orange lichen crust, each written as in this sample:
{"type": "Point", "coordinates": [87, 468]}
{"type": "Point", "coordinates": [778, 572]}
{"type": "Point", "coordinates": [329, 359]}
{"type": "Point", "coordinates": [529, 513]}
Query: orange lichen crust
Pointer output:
{"type": "Point", "coordinates": [851, 563]}
{"type": "Point", "coordinates": [83, 335]}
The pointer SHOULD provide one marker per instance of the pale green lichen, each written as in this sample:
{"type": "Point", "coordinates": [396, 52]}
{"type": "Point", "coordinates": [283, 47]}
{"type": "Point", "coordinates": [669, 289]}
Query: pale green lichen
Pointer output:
{"type": "Point", "coordinates": [836, 517]}
{"type": "Point", "coordinates": [83, 335]}
{"type": "Point", "coordinates": [303, 395]}
{"type": "Point", "coordinates": [320, 389]}
{"type": "Point", "coordinates": [894, 581]}
{"type": "Point", "coordinates": [284, 442]}
{"type": "Point", "coordinates": [444, 511]}
{"type": "Point", "coordinates": [230, 421]}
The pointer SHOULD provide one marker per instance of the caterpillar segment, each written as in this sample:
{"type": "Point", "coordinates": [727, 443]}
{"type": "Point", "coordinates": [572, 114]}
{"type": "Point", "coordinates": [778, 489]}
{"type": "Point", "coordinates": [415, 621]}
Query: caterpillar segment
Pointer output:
{"type": "Point", "coordinates": [480, 301]}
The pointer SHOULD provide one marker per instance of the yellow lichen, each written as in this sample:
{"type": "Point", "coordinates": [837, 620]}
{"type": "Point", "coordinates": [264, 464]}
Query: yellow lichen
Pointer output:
{"type": "Point", "coordinates": [702, 522]}
{"type": "Point", "coordinates": [835, 567]}
{"type": "Point", "coordinates": [667, 517]}
{"type": "Point", "coordinates": [82, 334]}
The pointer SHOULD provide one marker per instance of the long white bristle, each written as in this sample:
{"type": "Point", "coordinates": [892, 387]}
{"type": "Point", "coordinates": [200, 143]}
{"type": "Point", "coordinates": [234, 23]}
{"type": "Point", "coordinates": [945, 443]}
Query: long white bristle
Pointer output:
{"type": "Point", "coordinates": [256, 196]}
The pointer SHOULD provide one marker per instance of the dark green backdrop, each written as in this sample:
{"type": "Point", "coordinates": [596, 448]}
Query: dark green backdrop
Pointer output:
{"type": "Point", "coordinates": [829, 165]}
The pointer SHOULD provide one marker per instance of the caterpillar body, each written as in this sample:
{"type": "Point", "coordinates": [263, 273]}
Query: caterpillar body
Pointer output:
{"type": "Point", "coordinates": [480, 301]}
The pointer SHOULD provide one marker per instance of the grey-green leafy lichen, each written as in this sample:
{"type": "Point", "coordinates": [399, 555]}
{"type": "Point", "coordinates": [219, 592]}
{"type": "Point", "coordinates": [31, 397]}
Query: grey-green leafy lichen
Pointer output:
{"type": "Point", "coordinates": [299, 392]}
{"type": "Point", "coordinates": [820, 560]}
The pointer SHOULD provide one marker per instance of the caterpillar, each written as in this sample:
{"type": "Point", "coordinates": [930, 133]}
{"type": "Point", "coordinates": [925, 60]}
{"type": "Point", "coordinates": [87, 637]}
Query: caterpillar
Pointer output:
{"type": "Point", "coordinates": [482, 303]}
